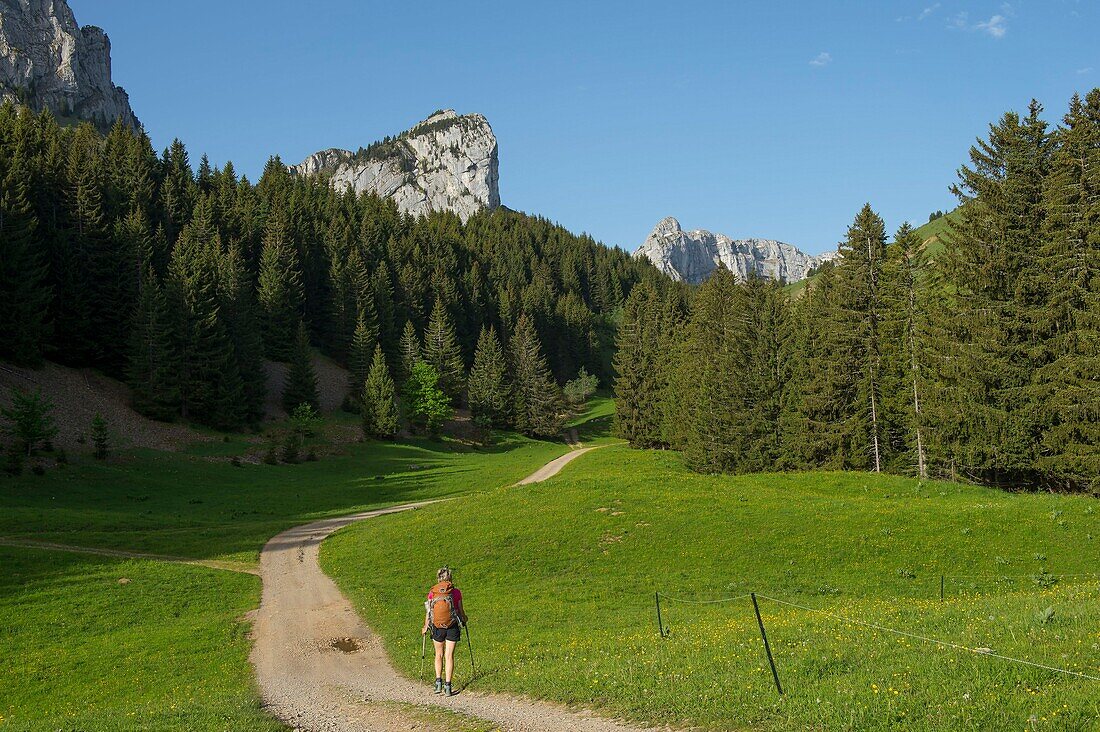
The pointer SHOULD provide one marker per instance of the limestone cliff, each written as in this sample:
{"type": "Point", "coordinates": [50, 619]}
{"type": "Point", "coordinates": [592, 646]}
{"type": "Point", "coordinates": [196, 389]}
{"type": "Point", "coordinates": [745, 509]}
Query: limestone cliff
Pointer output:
{"type": "Point", "coordinates": [47, 61]}
{"type": "Point", "coordinates": [448, 162]}
{"type": "Point", "coordinates": [691, 256]}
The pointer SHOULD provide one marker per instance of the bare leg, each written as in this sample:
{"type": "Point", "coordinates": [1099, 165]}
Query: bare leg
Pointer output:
{"type": "Point", "coordinates": [450, 660]}
{"type": "Point", "coordinates": [438, 659]}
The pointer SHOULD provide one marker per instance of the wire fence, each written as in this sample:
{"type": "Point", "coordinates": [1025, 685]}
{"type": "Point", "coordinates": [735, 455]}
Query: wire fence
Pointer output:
{"type": "Point", "coordinates": [665, 630]}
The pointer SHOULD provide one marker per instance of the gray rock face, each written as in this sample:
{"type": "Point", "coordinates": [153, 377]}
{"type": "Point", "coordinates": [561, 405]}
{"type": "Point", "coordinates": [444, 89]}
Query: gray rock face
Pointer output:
{"type": "Point", "coordinates": [447, 162]}
{"type": "Point", "coordinates": [691, 256]}
{"type": "Point", "coordinates": [47, 61]}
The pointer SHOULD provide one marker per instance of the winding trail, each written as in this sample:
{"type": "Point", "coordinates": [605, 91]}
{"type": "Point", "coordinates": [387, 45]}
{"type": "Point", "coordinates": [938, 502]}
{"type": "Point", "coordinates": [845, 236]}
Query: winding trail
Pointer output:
{"type": "Point", "coordinates": [311, 685]}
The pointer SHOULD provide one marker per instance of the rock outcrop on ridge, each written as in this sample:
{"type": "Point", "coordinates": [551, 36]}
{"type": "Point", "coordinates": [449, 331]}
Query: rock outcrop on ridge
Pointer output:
{"type": "Point", "coordinates": [692, 255]}
{"type": "Point", "coordinates": [448, 162]}
{"type": "Point", "coordinates": [47, 61]}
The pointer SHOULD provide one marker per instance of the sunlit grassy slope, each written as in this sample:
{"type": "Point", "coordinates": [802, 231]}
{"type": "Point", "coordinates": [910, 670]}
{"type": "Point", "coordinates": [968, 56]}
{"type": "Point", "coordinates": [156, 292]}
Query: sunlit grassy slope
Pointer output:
{"type": "Point", "coordinates": [560, 579]}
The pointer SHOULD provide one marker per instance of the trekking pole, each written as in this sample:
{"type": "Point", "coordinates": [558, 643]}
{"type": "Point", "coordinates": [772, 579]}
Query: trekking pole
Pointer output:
{"type": "Point", "coordinates": [470, 645]}
{"type": "Point", "coordinates": [423, 650]}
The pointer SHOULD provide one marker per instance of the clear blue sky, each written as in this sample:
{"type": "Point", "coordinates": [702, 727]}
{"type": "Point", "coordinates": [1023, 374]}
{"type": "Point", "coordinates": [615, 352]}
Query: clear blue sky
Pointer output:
{"type": "Point", "coordinates": [768, 119]}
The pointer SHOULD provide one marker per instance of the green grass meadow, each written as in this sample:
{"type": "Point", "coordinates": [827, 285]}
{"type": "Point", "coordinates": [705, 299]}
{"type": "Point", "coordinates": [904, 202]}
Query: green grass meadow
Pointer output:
{"type": "Point", "coordinates": [559, 581]}
{"type": "Point", "coordinates": [169, 649]}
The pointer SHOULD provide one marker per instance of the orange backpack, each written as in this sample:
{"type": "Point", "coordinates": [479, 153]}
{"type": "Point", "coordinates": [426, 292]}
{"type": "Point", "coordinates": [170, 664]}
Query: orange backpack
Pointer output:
{"type": "Point", "coordinates": [441, 608]}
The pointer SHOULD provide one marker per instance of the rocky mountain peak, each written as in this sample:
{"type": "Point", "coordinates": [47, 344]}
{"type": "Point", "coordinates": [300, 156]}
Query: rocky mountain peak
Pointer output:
{"type": "Point", "coordinates": [691, 256]}
{"type": "Point", "coordinates": [447, 162]}
{"type": "Point", "coordinates": [47, 61]}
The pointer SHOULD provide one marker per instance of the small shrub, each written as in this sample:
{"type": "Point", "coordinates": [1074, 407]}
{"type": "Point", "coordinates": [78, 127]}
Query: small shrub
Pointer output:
{"type": "Point", "coordinates": [580, 390]}
{"type": "Point", "coordinates": [306, 420]}
{"type": "Point", "coordinates": [28, 421]}
{"type": "Point", "coordinates": [1040, 557]}
{"type": "Point", "coordinates": [101, 440]}
{"type": "Point", "coordinates": [271, 457]}
{"type": "Point", "coordinates": [907, 574]}
{"type": "Point", "coordinates": [1045, 615]}
{"type": "Point", "coordinates": [1044, 579]}
{"type": "Point", "coordinates": [235, 461]}
{"type": "Point", "coordinates": [292, 448]}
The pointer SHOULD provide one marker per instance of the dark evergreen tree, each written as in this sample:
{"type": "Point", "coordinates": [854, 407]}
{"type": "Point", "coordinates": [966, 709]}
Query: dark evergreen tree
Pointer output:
{"type": "Point", "coordinates": [280, 291]}
{"type": "Point", "coordinates": [379, 411]}
{"type": "Point", "coordinates": [442, 352]}
{"type": "Point", "coordinates": [537, 404]}
{"type": "Point", "coordinates": [409, 351]}
{"type": "Point", "coordinates": [363, 344]}
{"type": "Point", "coordinates": [301, 380]}
{"type": "Point", "coordinates": [154, 365]}
{"type": "Point", "coordinates": [488, 389]}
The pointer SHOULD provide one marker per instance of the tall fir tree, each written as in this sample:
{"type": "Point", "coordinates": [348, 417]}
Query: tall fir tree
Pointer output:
{"type": "Point", "coordinates": [364, 342]}
{"type": "Point", "coordinates": [154, 365]}
{"type": "Point", "coordinates": [379, 400]}
{"type": "Point", "coordinates": [301, 379]}
{"type": "Point", "coordinates": [408, 351]}
{"type": "Point", "coordinates": [24, 292]}
{"type": "Point", "coordinates": [1065, 388]}
{"type": "Point", "coordinates": [279, 291]}
{"type": "Point", "coordinates": [441, 350]}
{"type": "Point", "coordinates": [641, 372]}
{"type": "Point", "coordinates": [538, 409]}
{"type": "Point", "coordinates": [989, 426]}
{"type": "Point", "coordinates": [487, 388]}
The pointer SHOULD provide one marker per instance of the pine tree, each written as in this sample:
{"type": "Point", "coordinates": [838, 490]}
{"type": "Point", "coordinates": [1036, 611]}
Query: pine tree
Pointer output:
{"type": "Point", "coordinates": [238, 308]}
{"type": "Point", "coordinates": [488, 389]}
{"type": "Point", "coordinates": [409, 350]}
{"type": "Point", "coordinates": [1066, 283]}
{"type": "Point", "coordinates": [301, 380]}
{"type": "Point", "coordinates": [154, 365]}
{"type": "Point", "coordinates": [363, 344]}
{"type": "Point", "coordinates": [23, 271]}
{"type": "Point", "coordinates": [379, 411]}
{"type": "Point", "coordinates": [280, 291]}
{"type": "Point", "coordinates": [989, 426]}
{"type": "Point", "coordinates": [641, 373]}
{"type": "Point", "coordinates": [537, 405]}
{"type": "Point", "coordinates": [442, 352]}
{"type": "Point", "coordinates": [860, 314]}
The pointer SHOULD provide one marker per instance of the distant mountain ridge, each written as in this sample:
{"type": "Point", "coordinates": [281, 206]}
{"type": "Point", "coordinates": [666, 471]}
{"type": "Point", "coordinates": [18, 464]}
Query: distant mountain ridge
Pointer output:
{"type": "Point", "coordinates": [448, 162]}
{"type": "Point", "coordinates": [47, 61]}
{"type": "Point", "coordinates": [691, 256]}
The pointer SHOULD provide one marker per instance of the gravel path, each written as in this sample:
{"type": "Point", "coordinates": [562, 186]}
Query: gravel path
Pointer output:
{"type": "Point", "coordinates": [310, 684]}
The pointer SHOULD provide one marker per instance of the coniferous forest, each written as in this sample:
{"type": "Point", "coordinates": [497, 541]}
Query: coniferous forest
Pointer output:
{"type": "Point", "coordinates": [183, 282]}
{"type": "Point", "coordinates": [978, 362]}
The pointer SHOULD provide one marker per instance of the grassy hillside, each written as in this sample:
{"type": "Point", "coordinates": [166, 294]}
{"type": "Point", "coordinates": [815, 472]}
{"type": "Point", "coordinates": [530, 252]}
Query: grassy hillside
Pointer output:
{"type": "Point", "coordinates": [932, 235]}
{"type": "Point", "coordinates": [560, 580]}
{"type": "Point", "coordinates": [168, 650]}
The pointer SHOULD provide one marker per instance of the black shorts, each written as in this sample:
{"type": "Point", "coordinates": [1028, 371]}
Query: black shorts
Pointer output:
{"type": "Point", "coordinates": [453, 633]}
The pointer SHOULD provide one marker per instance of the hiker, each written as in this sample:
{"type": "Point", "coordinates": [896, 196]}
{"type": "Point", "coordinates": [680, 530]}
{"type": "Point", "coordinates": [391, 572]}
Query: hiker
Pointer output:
{"type": "Point", "coordinates": [444, 615]}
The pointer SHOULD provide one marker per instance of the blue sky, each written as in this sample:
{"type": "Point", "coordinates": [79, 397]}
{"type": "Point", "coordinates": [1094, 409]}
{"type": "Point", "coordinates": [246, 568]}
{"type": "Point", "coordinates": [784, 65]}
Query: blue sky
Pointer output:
{"type": "Point", "coordinates": [767, 119]}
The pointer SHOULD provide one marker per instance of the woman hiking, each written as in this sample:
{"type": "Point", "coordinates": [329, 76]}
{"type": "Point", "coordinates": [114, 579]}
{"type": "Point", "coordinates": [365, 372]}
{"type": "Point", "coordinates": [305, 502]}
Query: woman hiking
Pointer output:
{"type": "Point", "coordinates": [445, 617]}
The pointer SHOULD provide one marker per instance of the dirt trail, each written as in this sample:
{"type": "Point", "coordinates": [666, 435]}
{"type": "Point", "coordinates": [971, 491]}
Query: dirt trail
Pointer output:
{"type": "Point", "coordinates": [208, 563]}
{"type": "Point", "coordinates": [311, 685]}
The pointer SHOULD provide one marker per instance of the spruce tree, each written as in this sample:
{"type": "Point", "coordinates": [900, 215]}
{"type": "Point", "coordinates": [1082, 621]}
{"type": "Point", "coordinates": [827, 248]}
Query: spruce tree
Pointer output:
{"type": "Point", "coordinates": [409, 351]}
{"type": "Point", "coordinates": [1066, 282]}
{"type": "Point", "coordinates": [238, 308]}
{"type": "Point", "coordinates": [538, 410]}
{"type": "Point", "coordinates": [154, 366]}
{"type": "Point", "coordinates": [989, 426]}
{"type": "Point", "coordinates": [488, 389]}
{"type": "Point", "coordinates": [363, 344]}
{"type": "Point", "coordinates": [24, 291]}
{"type": "Point", "coordinates": [442, 352]}
{"type": "Point", "coordinates": [379, 410]}
{"type": "Point", "coordinates": [301, 380]}
{"type": "Point", "coordinates": [640, 370]}
{"type": "Point", "coordinates": [280, 291]}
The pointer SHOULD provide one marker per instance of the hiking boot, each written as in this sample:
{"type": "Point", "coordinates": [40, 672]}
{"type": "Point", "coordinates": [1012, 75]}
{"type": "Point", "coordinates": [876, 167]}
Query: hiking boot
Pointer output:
{"type": "Point", "coordinates": [439, 686]}
{"type": "Point", "coordinates": [447, 690]}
